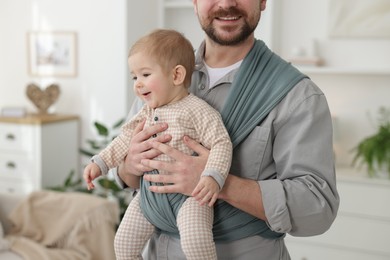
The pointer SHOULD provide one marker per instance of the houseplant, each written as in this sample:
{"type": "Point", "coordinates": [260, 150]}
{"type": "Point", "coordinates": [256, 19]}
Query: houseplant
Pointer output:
{"type": "Point", "coordinates": [374, 151]}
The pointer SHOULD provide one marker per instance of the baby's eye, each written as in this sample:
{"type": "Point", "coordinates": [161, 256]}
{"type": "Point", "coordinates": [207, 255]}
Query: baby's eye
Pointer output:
{"type": "Point", "coordinates": [146, 75]}
{"type": "Point", "coordinates": [134, 78]}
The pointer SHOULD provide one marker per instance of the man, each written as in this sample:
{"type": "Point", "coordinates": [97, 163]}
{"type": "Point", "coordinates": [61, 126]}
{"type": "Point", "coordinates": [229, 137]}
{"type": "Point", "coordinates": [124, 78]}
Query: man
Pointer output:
{"type": "Point", "coordinates": [282, 172]}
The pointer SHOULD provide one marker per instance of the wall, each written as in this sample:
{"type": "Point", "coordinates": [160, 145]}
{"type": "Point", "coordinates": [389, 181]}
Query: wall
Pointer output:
{"type": "Point", "coordinates": [101, 34]}
{"type": "Point", "coordinates": [356, 75]}
{"type": "Point", "coordinates": [356, 80]}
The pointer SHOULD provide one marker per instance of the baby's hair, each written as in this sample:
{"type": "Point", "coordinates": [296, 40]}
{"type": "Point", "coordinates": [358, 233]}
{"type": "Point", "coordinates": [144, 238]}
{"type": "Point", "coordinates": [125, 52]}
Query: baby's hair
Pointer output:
{"type": "Point", "coordinates": [169, 48]}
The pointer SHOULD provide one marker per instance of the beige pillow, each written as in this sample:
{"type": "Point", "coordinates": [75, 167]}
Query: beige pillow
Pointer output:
{"type": "Point", "coordinates": [4, 244]}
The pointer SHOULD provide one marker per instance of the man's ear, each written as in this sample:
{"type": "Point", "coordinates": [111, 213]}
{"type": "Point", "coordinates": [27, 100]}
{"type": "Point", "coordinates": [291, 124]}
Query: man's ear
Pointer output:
{"type": "Point", "coordinates": [179, 74]}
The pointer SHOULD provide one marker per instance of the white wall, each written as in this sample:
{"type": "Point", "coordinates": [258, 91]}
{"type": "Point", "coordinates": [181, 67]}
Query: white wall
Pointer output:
{"type": "Point", "coordinates": [99, 91]}
{"type": "Point", "coordinates": [106, 29]}
{"type": "Point", "coordinates": [356, 76]}
{"type": "Point", "coordinates": [301, 21]}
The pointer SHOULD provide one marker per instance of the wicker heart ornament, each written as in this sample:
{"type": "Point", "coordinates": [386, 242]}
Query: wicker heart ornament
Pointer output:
{"type": "Point", "coordinates": [43, 99]}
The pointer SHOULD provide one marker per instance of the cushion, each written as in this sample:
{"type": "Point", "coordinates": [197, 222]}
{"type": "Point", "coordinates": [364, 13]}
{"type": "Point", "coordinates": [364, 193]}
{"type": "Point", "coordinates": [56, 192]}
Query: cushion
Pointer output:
{"type": "Point", "coordinates": [4, 244]}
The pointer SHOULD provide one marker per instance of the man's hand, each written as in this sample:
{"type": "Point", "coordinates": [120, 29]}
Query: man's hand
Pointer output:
{"type": "Point", "coordinates": [141, 147]}
{"type": "Point", "coordinates": [183, 173]}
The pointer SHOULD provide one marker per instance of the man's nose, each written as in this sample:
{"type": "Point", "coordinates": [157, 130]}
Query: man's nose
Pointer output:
{"type": "Point", "coordinates": [225, 4]}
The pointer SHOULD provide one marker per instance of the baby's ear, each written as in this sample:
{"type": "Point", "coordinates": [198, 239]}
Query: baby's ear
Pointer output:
{"type": "Point", "coordinates": [179, 74]}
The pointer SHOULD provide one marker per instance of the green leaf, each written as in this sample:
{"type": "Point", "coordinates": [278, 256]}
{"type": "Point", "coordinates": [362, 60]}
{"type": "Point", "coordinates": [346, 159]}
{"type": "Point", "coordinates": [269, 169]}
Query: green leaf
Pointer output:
{"type": "Point", "coordinates": [102, 129]}
{"type": "Point", "coordinates": [118, 124]}
{"type": "Point", "coordinates": [109, 184]}
{"type": "Point", "coordinates": [86, 152]}
{"type": "Point", "coordinates": [374, 151]}
{"type": "Point", "coordinates": [68, 180]}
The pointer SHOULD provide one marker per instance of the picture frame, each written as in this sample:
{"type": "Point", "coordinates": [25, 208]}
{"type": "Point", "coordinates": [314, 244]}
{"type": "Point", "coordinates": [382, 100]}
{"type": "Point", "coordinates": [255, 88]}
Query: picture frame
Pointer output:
{"type": "Point", "coordinates": [52, 54]}
{"type": "Point", "coordinates": [359, 19]}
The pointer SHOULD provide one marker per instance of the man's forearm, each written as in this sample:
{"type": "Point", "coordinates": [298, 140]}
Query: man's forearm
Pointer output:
{"type": "Point", "coordinates": [243, 194]}
{"type": "Point", "coordinates": [130, 180]}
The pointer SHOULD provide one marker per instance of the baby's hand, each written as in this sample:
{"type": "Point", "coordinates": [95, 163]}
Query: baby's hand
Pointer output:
{"type": "Point", "coordinates": [206, 192]}
{"type": "Point", "coordinates": [91, 172]}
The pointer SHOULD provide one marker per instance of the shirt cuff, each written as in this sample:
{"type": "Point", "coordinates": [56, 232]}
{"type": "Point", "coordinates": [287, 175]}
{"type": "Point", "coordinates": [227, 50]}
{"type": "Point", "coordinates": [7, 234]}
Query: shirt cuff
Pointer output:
{"type": "Point", "coordinates": [275, 206]}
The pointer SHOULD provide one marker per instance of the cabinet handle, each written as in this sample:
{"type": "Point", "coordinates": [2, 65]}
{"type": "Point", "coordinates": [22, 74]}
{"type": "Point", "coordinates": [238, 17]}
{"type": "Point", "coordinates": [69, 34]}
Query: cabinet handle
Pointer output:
{"type": "Point", "coordinates": [10, 137]}
{"type": "Point", "coordinates": [11, 165]}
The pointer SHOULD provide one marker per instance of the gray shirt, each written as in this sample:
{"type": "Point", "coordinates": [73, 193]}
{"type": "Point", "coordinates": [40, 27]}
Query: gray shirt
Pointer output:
{"type": "Point", "coordinates": [290, 154]}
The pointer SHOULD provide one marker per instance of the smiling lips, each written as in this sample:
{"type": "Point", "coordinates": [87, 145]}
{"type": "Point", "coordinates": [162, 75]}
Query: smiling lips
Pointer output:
{"type": "Point", "coordinates": [233, 18]}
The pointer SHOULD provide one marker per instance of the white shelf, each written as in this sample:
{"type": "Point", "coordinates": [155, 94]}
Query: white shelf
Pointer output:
{"type": "Point", "coordinates": [360, 176]}
{"type": "Point", "coordinates": [344, 71]}
{"type": "Point", "coordinates": [178, 4]}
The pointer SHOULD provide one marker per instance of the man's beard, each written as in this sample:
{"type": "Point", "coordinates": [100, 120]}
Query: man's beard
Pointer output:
{"type": "Point", "coordinates": [245, 31]}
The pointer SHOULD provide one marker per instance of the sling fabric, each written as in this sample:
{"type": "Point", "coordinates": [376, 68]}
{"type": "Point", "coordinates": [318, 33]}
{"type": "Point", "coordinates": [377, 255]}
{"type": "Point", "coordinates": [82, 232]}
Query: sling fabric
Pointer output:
{"type": "Point", "coordinates": [251, 98]}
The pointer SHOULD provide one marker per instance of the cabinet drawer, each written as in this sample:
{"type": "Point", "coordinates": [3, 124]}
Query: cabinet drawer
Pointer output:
{"type": "Point", "coordinates": [22, 187]}
{"type": "Point", "coordinates": [16, 166]}
{"type": "Point", "coordinates": [352, 233]}
{"type": "Point", "coordinates": [365, 199]}
{"type": "Point", "coordinates": [302, 251]}
{"type": "Point", "coordinates": [15, 137]}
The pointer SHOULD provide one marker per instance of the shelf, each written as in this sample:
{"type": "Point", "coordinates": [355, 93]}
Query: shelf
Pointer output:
{"type": "Point", "coordinates": [38, 119]}
{"type": "Point", "coordinates": [360, 176]}
{"type": "Point", "coordinates": [178, 4]}
{"type": "Point", "coordinates": [344, 71]}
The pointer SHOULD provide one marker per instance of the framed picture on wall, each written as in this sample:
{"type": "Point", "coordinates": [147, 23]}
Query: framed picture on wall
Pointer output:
{"type": "Point", "coordinates": [359, 18]}
{"type": "Point", "coordinates": [52, 54]}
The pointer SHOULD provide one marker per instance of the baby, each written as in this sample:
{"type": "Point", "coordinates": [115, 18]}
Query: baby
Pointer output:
{"type": "Point", "coordinates": [161, 64]}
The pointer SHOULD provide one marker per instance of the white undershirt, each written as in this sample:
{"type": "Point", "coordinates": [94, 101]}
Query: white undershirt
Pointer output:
{"type": "Point", "coordinates": [216, 74]}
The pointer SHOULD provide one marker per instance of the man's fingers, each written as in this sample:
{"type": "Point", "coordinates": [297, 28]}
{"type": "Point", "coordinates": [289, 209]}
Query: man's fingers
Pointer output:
{"type": "Point", "coordinates": [139, 127]}
{"type": "Point", "coordinates": [163, 189]}
{"type": "Point", "coordinates": [168, 150]}
{"type": "Point", "coordinates": [159, 178]}
{"type": "Point", "coordinates": [195, 146]}
{"type": "Point", "coordinates": [149, 132]}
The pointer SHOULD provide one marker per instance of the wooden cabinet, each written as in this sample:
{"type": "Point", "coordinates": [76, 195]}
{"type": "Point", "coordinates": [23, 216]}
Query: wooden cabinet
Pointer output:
{"type": "Point", "coordinates": [37, 151]}
{"type": "Point", "coordinates": [361, 229]}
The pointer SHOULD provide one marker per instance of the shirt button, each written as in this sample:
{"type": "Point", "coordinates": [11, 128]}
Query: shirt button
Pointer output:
{"type": "Point", "coordinates": [201, 86]}
{"type": "Point", "coordinates": [155, 118]}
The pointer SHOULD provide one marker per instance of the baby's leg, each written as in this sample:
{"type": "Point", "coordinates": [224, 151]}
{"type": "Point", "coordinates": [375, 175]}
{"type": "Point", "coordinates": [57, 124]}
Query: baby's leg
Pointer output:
{"type": "Point", "coordinates": [133, 232]}
{"type": "Point", "coordinates": [195, 224]}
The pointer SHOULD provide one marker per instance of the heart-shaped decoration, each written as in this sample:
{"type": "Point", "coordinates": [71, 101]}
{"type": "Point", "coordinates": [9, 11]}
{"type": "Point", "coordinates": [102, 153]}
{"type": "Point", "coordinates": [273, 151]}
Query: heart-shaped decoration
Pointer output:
{"type": "Point", "coordinates": [43, 99]}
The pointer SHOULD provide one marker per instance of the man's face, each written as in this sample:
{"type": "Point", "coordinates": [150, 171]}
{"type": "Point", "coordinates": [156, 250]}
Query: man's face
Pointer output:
{"type": "Point", "coordinates": [229, 22]}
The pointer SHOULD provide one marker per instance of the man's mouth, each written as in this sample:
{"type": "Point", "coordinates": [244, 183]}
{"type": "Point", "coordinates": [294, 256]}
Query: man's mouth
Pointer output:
{"type": "Point", "coordinates": [230, 18]}
{"type": "Point", "coordinates": [231, 14]}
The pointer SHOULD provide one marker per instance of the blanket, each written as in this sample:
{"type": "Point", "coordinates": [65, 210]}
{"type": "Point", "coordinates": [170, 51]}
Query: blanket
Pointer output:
{"type": "Point", "coordinates": [50, 225]}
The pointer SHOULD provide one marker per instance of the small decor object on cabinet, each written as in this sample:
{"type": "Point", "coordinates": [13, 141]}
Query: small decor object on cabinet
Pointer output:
{"type": "Point", "coordinates": [52, 54]}
{"type": "Point", "coordinates": [43, 99]}
{"type": "Point", "coordinates": [374, 151]}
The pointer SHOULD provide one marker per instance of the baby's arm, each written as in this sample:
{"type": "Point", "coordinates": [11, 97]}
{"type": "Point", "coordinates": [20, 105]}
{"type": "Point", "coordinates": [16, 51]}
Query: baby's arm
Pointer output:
{"type": "Point", "coordinates": [206, 191]}
{"type": "Point", "coordinates": [91, 172]}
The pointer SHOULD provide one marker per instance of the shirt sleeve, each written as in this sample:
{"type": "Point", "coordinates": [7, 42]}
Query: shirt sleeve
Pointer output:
{"type": "Point", "coordinates": [303, 199]}
{"type": "Point", "coordinates": [135, 108]}
{"type": "Point", "coordinates": [213, 135]}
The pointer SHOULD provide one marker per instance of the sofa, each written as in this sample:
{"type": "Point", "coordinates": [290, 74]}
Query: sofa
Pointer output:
{"type": "Point", "coordinates": [48, 225]}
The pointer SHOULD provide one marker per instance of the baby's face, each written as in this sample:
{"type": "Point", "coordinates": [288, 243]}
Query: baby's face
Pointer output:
{"type": "Point", "coordinates": [151, 83]}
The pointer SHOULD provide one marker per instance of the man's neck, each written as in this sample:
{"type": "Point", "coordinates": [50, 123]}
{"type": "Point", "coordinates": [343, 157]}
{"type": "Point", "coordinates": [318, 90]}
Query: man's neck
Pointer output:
{"type": "Point", "coordinates": [219, 56]}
